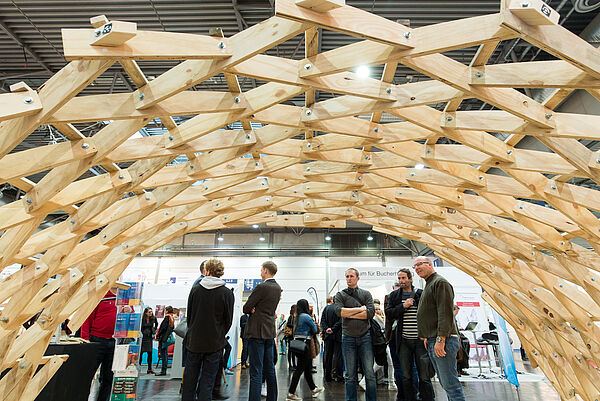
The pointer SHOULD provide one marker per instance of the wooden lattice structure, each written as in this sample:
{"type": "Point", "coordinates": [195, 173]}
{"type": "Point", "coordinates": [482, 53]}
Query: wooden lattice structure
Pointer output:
{"type": "Point", "coordinates": [522, 253]}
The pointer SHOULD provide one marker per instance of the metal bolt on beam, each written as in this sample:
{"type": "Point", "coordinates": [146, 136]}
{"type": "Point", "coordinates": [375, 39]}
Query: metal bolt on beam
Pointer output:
{"type": "Point", "coordinates": [28, 100]}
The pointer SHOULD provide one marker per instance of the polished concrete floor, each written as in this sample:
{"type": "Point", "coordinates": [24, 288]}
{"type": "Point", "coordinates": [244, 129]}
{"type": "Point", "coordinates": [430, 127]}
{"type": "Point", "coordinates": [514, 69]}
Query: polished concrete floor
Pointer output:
{"type": "Point", "coordinates": [152, 389]}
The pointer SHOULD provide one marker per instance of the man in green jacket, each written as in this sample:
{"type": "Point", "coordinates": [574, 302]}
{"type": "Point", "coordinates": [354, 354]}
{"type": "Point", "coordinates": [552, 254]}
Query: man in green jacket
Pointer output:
{"type": "Point", "coordinates": [437, 328]}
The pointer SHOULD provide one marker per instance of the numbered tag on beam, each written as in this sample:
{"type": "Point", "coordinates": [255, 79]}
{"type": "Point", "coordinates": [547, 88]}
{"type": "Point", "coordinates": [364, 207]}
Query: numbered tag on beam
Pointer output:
{"type": "Point", "coordinates": [534, 12]}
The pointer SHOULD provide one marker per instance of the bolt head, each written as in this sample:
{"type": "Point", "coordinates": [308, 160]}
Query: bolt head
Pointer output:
{"type": "Point", "coordinates": [307, 66]}
{"type": "Point", "coordinates": [72, 221]}
{"type": "Point", "coordinates": [256, 164]}
{"type": "Point", "coordinates": [548, 116]}
{"type": "Point", "coordinates": [553, 186]}
{"type": "Point", "coordinates": [121, 176]}
{"type": "Point", "coordinates": [38, 267]}
{"type": "Point", "coordinates": [478, 74]}
{"type": "Point", "coordinates": [407, 35]}
{"type": "Point", "coordinates": [216, 203]}
{"type": "Point", "coordinates": [399, 192]}
{"type": "Point", "coordinates": [85, 145]}
{"type": "Point", "coordinates": [166, 213]}
{"type": "Point", "coordinates": [480, 177]}
{"type": "Point", "coordinates": [97, 33]}
{"type": "Point", "coordinates": [376, 129]}
{"type": "Point", "coordinates": [475, 233]}
{"type": "Point", "coordinates": [73, 275]}
{"type": "Point", "coordinates": [366, 157]}
{"type": "Point", "coordinates": [28, 201]}
{"type": "Point", "coordinates": [3, 319]}
{"type": "Point", "coordinates": [412, 174]}
{"type": "Point", "coordinates": [449, 118]}
{"type": "Point", "coordinates": [171, 137]}
{"type": "Point", "coordinates": [141, 96]}
{"type": "Point", "coordinates": [593, 279]}
{"type": "Point", "coordinates": [388, 90]}
{"type": "Point", "coordinates": [525, 4]}
{"type": "Point", "coordinates": [147, 197]}
{"type": "Point", "coordinates": [28, 100]}
{"type": "Point", "coordinates": [308, 169]}
{"type": "Point", "coordinates": [359, 178]}
{"type": "Point", "coordinates": [221, 45]}
{"type": "Point", "coordinates": [42, 320]}
{"type": "Point", "coordinates": [308, 112]}
{"type": "Point", "coordinates": [308, 145]}
{"type": "Point", "coordinates": [509, 152]}
{"type": "Point", "coordinates": [236, 99]}
{"type": "Point", "coordinates": [103, 235]}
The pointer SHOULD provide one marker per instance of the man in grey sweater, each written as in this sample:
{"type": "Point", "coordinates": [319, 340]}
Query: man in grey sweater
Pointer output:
{"type": "Point", "coordinates": [355, 306]}
{"type": "Point", "coordinates": [437, 328]}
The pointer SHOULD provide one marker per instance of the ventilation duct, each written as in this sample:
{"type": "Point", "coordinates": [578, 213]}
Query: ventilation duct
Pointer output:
{"type": "Point", "coordinates": [585, 6]}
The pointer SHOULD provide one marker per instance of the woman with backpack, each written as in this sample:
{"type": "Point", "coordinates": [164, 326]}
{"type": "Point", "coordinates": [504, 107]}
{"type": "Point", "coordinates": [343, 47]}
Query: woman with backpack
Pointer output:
{"type": "Point", "coordinates": [164, 336]}
{"type": "Point", "coordinates": [304, 329]}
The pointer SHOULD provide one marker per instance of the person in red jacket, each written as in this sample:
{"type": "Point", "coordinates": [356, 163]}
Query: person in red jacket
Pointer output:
{"type": "Point", "coordinates": [99, 328]}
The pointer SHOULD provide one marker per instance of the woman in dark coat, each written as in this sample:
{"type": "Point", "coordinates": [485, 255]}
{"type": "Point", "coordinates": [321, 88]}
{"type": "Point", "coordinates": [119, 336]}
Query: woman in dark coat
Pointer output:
{"type": "Point", "coordinates": [149, 326]}
{"type": "Point", "coordinates": [164, 332]}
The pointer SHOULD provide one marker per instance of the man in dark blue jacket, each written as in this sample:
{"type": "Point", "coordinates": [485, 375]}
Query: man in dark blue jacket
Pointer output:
{"type": "Point", "coordinates": [402, 307]}
{"type": "Point", "coordinates": [210, 313]}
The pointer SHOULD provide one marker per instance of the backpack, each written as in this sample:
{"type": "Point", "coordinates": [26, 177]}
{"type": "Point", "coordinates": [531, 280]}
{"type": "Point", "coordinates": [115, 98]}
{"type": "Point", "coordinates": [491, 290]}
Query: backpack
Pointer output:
{"type": "Point", "coordinates": [378, 342]}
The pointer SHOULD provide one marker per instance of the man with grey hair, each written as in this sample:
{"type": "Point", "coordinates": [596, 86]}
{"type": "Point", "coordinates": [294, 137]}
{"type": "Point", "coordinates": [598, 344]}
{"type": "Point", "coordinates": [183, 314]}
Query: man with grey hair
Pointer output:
{"type": "Point", "coordinates": [355, 306]}
{"type": "Point", "coordinates": [437, 328]}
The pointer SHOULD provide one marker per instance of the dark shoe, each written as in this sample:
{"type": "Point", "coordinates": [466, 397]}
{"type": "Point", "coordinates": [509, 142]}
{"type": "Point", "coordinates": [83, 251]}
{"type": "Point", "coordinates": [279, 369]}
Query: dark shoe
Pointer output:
{"type": "Point", "coordinates": [161, 374]}
{"type": "Point", "coordinates": [463, 373]}
{"type": "Point", "coordinates": [218, 395]}
{"type": "Point", "coordinates": [151, 372]}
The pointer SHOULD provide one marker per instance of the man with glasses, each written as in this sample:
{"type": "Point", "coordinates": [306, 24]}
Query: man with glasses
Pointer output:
{"type": "Point", "coordinates": [437, 328]}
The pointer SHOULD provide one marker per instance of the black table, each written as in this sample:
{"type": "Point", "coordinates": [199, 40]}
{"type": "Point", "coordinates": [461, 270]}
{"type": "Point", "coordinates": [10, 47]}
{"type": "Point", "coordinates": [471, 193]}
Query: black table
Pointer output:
{"type": "Point", "coordinates": [72, 381]}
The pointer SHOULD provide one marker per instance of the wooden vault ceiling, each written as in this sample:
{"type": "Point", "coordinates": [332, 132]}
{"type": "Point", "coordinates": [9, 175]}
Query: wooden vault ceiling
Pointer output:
{"type": "Point", "coordinates": [512, 229]}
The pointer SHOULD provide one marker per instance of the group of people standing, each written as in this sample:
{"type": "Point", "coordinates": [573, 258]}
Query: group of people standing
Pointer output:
{"type": "Point", "coordinates": [420, 327]}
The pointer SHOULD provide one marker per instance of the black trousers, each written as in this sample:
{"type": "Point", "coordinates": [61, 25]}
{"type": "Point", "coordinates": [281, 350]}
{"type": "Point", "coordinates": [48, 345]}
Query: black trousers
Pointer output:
{"type": "Point", "coordinates": [104, 359]}
{"type": "Point", "coordinates": [332, 359]}
{"type": "Point", "coordinates": [225, 352]}
{"type": "Point", "coordinates": [304, 366]}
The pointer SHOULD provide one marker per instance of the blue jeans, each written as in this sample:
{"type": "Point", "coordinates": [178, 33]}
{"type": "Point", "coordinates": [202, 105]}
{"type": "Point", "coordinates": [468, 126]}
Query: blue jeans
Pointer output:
{"type": "Point", "coordinates": [445, 368]}
{"type": "Point", "coordinates": [203, 366]}
{"type": "Point", "coordinates": [260, 352]}
{"type": "Point", "coordinates": [359, 350]}
{"type": "Point", "coordinates": [411, 351]}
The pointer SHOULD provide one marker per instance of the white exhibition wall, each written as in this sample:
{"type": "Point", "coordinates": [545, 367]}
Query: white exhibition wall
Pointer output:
{"type": "Point", "coordinates": [296, 275]}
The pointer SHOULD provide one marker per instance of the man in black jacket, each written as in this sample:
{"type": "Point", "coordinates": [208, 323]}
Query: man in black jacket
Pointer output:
{"type": "Point", "coordinates": [260, 332]}
{"type": "Point", "coordinates": [210, 313]}
{"type": "Point", "coordinates": [331, 326]}
{"type": "Point", "coordinates": [402, 307]}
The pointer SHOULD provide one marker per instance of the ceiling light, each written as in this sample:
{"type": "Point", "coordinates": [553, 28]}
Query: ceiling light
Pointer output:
{"type": "Point", "coordinates": [370, 238]}
{"type": "Point", "coordinates": [419, 166]}
{"type": "Point", "coordinates": [261, 238]}
{"type": "Point", "coordinates": [362, 71]}
{"type": "Point", "coordinates": [254, 225]}
{"type": "Point", "coordinates": [220, 238]}
{"type": "Point", "coordinates": [327, 237]}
